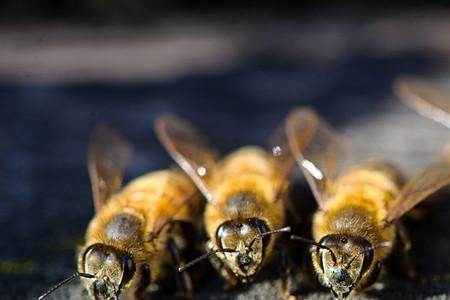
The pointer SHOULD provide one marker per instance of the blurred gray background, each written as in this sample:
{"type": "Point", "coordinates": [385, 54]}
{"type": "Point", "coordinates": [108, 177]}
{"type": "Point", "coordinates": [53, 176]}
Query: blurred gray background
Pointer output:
{"type": "Point", "coordinates": [235, 72]}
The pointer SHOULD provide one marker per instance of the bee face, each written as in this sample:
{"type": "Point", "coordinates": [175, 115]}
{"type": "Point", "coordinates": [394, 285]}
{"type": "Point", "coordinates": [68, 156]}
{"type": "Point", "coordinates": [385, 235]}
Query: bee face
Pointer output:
{"type": "Point", "coordinates": [242, 237]}
{"type": "Point", "coordinates": [342, 266]}
{"type": "Point", "coordinates": [112, 269]}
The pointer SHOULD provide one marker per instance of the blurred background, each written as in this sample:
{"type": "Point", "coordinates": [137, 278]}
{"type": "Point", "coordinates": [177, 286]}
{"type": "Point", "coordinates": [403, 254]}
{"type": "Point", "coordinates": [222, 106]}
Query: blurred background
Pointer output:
{"type": "Point", "coordinates": [235, 69]}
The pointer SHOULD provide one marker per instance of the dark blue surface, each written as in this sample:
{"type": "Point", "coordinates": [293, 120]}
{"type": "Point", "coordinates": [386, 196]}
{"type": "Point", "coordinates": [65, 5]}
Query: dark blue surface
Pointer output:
{"type": "Point", "coordinates": [44, 132]}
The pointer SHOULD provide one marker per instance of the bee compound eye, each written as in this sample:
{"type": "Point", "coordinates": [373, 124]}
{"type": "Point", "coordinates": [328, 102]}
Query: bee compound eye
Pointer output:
{"type": "Point", "coordinates": [129, 268]}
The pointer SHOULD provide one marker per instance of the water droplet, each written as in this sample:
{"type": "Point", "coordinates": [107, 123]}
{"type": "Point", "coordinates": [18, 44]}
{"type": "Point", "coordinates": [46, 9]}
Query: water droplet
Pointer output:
{"type": "Point", "coordinates": [276, 150]}
{"type": "Point", "coordinates": [201, 171]}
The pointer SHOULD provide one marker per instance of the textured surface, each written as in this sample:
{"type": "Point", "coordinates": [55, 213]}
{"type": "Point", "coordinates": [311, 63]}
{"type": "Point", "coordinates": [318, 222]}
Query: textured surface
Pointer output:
{"type": "Point", "coordinates": [238, 96]}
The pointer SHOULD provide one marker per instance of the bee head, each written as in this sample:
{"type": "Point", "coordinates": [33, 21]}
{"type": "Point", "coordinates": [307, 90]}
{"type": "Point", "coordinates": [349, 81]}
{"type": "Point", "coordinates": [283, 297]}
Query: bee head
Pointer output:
{"type": "Point", "coordinates": [104, 271]}
{"type": "Point", "coordinates": [111, 268]}
{"type": "Point", "coordinates": [241, 246]}
{"type": "Point", "coordinates": [343, 260]}
{"type": "Point", "coordinates": [244, 238]}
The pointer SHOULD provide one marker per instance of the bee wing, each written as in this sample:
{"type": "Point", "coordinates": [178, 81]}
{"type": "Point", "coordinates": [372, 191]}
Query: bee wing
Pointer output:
{"type": "Point", "coordinates": [109, 153]}
{"type": "Point", "coordinates": [164, 213]}
{"type": "Point", "coordinates": [430, 99]}
{"type": "Point", "coordinates": [189, 148]}
{"type": "Point", "coordinates": [315, 147]}
{"type": "Point", "coordinates": [434, 177]}
{"type": "Point", "coordinates": [279, 149]}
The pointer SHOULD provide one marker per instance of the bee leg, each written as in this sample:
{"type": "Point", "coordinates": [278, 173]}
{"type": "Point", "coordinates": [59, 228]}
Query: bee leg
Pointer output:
{"type": "Point", "coordinates": [184, 281]}
{"type": "Point", "coordinates": [284, 271]}
{"type": "Point", "coordinates": [404, 246]}
{"type": "Point", "coordinates": [143, 283]}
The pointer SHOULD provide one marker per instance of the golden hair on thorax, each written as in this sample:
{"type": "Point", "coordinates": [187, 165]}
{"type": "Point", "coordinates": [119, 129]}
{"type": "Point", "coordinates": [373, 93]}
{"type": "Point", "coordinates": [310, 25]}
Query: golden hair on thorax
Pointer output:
{"type": "Point", "coordinates": [245, 193]}
{"type": "Point", "coordinates": [357, 222]}
{"type": "Point", "coordinates": [136, 230]}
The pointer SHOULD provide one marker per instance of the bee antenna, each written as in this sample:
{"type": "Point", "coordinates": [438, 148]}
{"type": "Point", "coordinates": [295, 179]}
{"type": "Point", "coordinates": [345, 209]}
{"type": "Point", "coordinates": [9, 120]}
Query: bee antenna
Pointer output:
{"type": "Point", "coordinates": [73, 276]}
{"type": "Point", "coordinates": [202, 257]}
{"type": "Point", "coordinates": [308, 241]}
{"type": "Point", "coordinates": [263, 234]}
{"type": "Point", "coordinates": [371, 248]}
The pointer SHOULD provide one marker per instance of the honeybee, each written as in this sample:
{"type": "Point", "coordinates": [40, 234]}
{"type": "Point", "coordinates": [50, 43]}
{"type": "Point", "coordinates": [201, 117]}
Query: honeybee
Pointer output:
{"type": "Point", "coordinates": [428, 98]}
{"type": "Point", "coordinates": [137, 230]}
{"type": "Point", "coordinates": [357, 224]}
{"type": "Point", "coordinates": [245, 192]}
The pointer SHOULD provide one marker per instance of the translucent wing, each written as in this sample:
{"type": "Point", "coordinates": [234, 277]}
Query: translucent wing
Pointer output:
{"type": "Point", "coordinates": [164, 212]}
{"type": "Point", "coordinates": [419, 188]}
{"type": "Point", "coordinates": [279, 149]}
{"type": "Point", "coordinates": [189, 148]}
{"type": "Point", "coordinates": [430, 99]}
{"type": "Point", "coordinates": [315, 147]}
{"type": "Point", "coordinates": [108, 156]}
